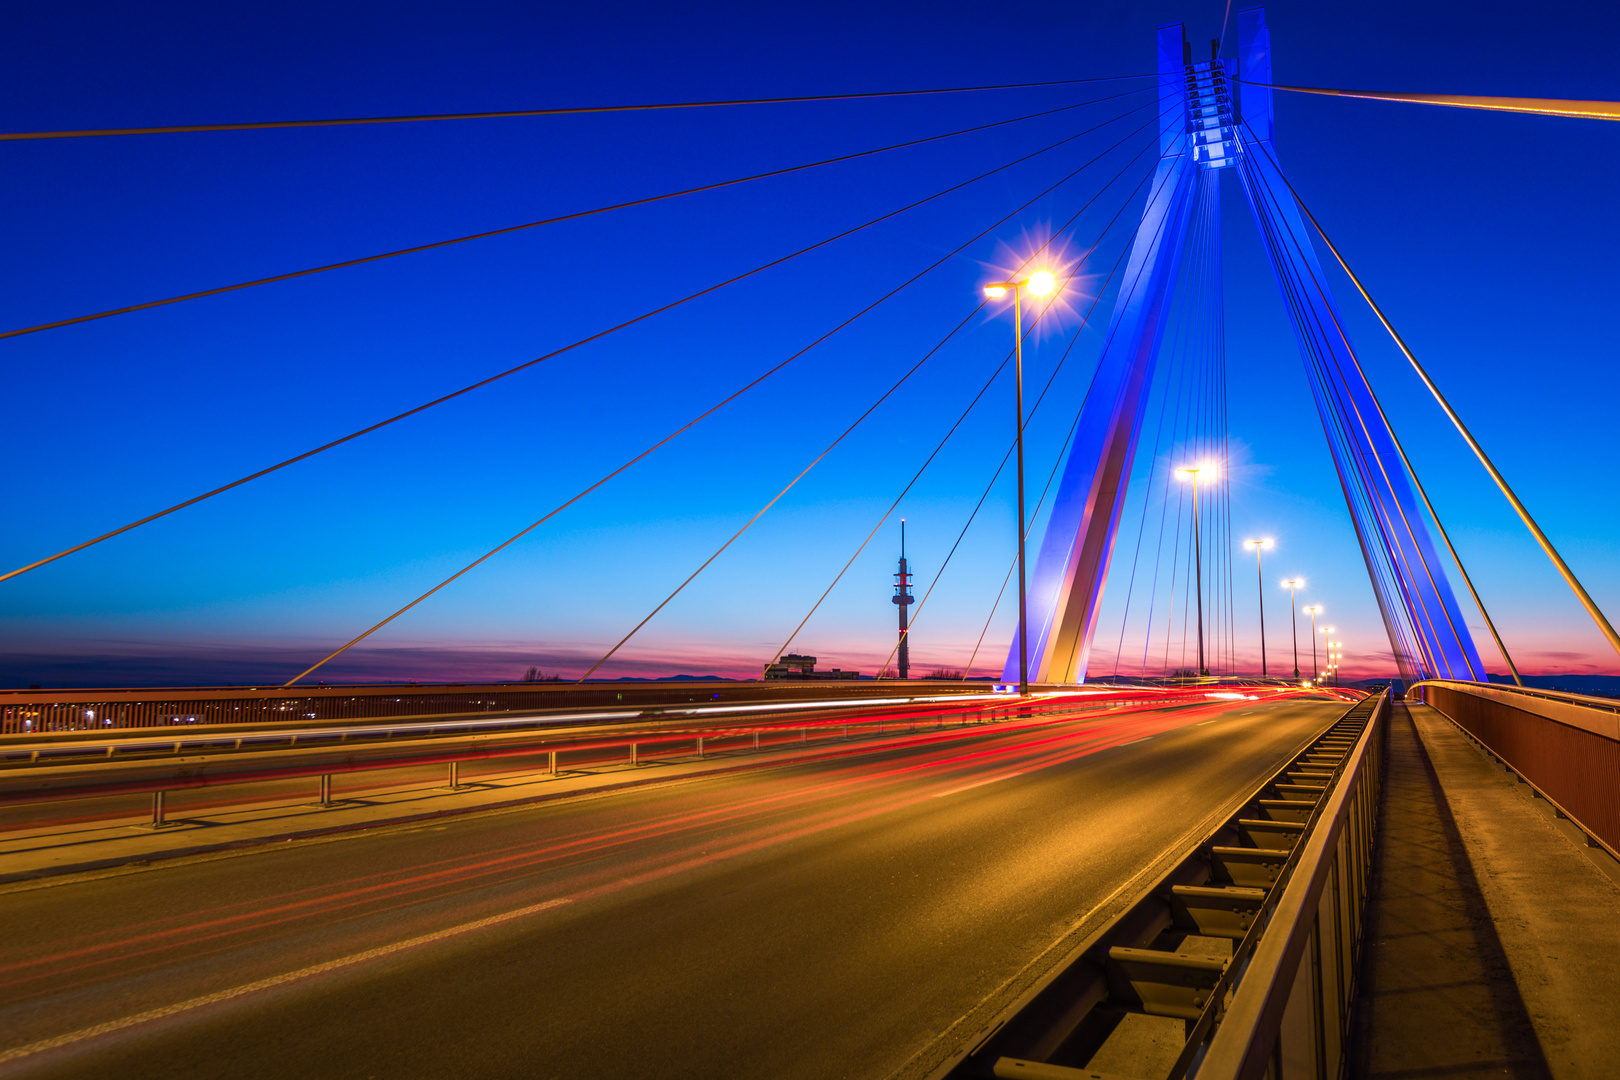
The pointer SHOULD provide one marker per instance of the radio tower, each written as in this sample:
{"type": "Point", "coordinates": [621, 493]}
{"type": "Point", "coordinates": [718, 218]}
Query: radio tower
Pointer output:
{"type": "Point", "coordinates": [902, 599]}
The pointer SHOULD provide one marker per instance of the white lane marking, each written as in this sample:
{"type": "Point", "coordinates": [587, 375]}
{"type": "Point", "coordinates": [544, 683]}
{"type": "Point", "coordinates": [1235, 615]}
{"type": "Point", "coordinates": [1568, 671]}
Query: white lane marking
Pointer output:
{"type": "Point", "coordinates": [1201, 723]}
{"type": "Point", "coordinates": [969, 787]}
{"type": "Point", "coordinates": [1133, 742]}
{"type": "Point", "coordinates": [265, 984]}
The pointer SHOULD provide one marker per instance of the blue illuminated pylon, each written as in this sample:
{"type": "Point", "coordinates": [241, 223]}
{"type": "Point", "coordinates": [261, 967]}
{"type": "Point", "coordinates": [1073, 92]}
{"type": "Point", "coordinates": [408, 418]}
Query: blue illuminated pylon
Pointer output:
{"type": "Point", "coordinates": [1206, 131]}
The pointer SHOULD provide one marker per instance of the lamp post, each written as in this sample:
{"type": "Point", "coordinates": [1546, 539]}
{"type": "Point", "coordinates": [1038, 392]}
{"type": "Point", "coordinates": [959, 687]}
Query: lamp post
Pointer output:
{"type": "Point", "coordinates": [1040, 283]}
{"type": "Point", "coordinates": [1312, 612]}
{"type": "Point", "coordinates": [1260, 588]}
{"type": "Point", "coordinates": [1293, 615]}
{"type": "Point", "coordinates": [1198, 558]}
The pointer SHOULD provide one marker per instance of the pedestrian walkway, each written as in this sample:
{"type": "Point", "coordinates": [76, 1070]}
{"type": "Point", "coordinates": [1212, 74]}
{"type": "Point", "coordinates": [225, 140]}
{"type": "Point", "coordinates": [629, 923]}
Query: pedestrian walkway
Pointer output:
{"type": "Point", "coordinates": [1491, 940]}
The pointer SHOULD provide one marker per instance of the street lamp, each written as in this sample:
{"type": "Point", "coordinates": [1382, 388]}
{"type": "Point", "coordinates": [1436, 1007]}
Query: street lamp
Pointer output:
{"type": "Point", "coordinates": [1198, 548]}
{"type": "Point", "coordinates": [1313, 611]}
{"type": "Point", "coordinates": [1260, 588]}
{"type": "Point", "coordinates": [1040, 283]}
{"type": "Point", "coordinates": [1292, 585]}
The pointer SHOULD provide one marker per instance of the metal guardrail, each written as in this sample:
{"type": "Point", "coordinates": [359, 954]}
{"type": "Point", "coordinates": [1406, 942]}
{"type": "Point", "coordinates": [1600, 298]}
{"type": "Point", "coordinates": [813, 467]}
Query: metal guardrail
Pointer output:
{"type": "Point", "coordinates": [1565, 746]}
{"type": "Point", "coordinates": [100, 745]}
{"type": "Point", "coordinates": [32, 711]}
{"type": "Point", "coordinates": [221, 756]}
{"type": "Point", "coordinates": [1251, 941]}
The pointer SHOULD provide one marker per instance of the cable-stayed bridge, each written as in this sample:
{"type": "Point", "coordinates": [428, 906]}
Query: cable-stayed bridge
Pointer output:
{"type": "Point", "coordinates": [1210, 843]}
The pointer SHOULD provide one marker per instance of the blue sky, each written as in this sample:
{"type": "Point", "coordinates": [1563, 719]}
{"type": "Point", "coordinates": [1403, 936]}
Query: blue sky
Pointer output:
{"type": "Point", "coordinates": [1488, 239]}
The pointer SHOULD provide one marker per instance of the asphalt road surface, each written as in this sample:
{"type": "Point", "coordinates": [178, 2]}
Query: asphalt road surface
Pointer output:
{"type": "Point", "coordinates": [841, 918]}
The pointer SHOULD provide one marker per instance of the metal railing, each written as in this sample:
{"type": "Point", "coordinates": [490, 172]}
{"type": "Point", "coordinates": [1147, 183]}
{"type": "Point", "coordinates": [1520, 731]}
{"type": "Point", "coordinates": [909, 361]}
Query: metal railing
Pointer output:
{"type": "Point", "coordinates": [34, 711]}
{"type": "Point", "coordinates": [1284, 881]}
{"type": "Point", "coordinates": [88, 767]}
{"type": "Point", "coordinates": [1565, 746]}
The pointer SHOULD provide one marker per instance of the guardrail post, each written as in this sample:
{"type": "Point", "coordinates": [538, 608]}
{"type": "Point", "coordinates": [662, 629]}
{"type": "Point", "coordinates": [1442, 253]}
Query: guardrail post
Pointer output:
{"type": "Point", "coordinates": [633, 759]}
{"type": "Point", "coordinates": [553, 762]}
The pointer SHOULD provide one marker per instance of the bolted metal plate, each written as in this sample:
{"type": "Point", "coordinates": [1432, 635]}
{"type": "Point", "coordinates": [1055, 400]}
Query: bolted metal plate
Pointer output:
{"type": "Point", "coordinates": [1161, 983]}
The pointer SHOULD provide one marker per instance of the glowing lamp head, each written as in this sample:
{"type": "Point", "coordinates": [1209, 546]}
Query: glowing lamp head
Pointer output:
{"type": "Point", "coordinates": [995, 292]}
{"type": "Point", "coordinates": [1204, 470]}
{"type": "Point", "coordinates": [1041, 283]}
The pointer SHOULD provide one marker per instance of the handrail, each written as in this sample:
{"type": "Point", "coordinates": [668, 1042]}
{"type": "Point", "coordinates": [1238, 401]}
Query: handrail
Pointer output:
{"type": "Point", "coordinates": [1587, 700]}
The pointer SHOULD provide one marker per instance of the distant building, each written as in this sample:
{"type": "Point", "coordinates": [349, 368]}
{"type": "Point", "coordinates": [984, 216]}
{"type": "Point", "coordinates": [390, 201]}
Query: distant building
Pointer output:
{"type": "Point", "coordinates": [794, 666]}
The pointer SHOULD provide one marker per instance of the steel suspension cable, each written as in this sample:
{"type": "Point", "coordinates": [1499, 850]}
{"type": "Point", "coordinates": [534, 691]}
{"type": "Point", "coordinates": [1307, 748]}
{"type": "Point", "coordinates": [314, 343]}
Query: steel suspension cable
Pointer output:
{"type": "Point", "coordinates": [1057, 463]}
{"type": "Point", "coordinates": [552, 355]}
{"type": "Point", "coordinates": [766, 508]}
{"type": "Point", "coordinates": [1074, 426]}
{"type": "Point", "coordinates": [1164, 508]}
{"type": "Point", "coordinates": [1583, 110]}
{"type": "Point", "coordinates": [870, 409]}
{"type": "Point", "coordinates": [918, 476]}
{"type": "Point", "coordinates": [1405, 636]}
{"type": "Point", "coordinates": [1541, 538]}
{"type": "Point", "coordinates": [715, 408]}
{"type": "Point", "coordinates": [948, 435]}
{"type": "Point", "coordinates": [557, 220]}
{"type": "Point", "coordinates": [1141, 527]}
{"type": "Point", "coordinates": [1363, 518]}
{"type": "Point", "coordinates": [1362, 449]}
{"type": "Point", "coordinates": [1183, 398]}
{"type": "Point", "coordinates": [1186, 395]}
{"type": "Point", "coordinates": [1084, 322]}
{"type": "Point", "coordinates": [1445, 536]}
{"type": "Point", "coordinates": [180, 129]}
{"type": "Point", "coordinates": [1433, 642]}
{"type": "Point", "coordinates": [1441, 658]}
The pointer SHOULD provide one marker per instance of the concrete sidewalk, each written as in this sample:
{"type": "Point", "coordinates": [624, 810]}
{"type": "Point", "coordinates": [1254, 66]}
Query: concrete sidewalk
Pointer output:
{"type": "Point", "coordinates": [1493, 942]}
{"type": "Point", "coordinates": [33, 853]}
